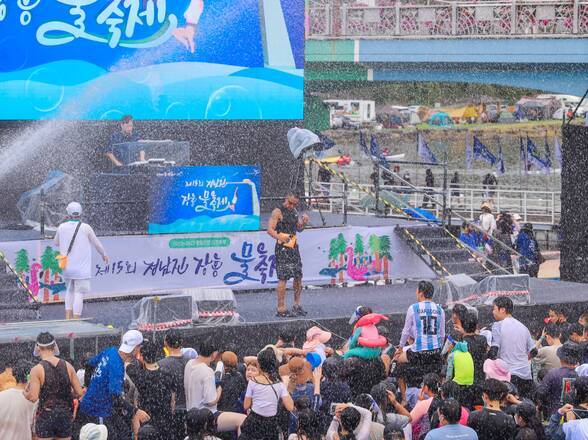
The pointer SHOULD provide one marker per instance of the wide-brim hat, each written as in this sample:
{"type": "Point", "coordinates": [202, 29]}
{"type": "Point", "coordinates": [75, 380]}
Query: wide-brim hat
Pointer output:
{"type": "Point", "coordinates": [299, 367]}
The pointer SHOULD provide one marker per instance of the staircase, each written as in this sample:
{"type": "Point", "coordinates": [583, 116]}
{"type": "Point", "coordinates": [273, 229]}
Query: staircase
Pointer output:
{"type": "Point", "coordinates": [14, 299]}
{"type": "Point", "coordinates": [442, 252]}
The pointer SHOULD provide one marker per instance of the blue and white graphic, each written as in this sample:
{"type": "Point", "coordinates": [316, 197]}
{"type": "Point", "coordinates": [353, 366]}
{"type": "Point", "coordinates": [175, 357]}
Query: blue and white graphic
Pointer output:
{"type": "Point", "coordinates": [206, 199]}
{"type": "Point", "coordinates": [154, 59]}
{"type": "Point", "coordinates": [423, 149]}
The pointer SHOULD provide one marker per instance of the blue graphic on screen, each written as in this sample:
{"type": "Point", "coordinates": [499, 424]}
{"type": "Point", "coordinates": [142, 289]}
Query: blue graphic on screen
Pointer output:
{"type": "Point", "coordinates": [154, 59]}
{"type": "Point", "coordinates": [206, 199]}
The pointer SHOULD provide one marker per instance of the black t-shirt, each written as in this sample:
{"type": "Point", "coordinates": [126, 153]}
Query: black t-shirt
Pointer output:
{"type": "Point", "coordinates": [492, 425]}
{"type": "Point", "coordinates": [233, 385]}
{"type": "Point", "coordinates": [155, 393]}
{"type": "Point", "coordinates": [478, 348]}
{"type": "Point", "coordinates": [363, 374]}
{"type": "Point", "coordinates": [175, 366]}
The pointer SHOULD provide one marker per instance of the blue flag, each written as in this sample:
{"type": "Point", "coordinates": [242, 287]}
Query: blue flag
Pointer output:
{"type": "Point", "coordinates": [376, 153]}
{"type": "Point", "coordinates": [424, 151]}
{"type": "Point", "coordinates": [557, 150]}
{"type": "Point", "coordinates": [469, 153]}
{"type": "Point", "coordinates": [534, 158]}
{"type": "Point", "coordinates": [481, 152]}
{"type": "Point", "coordinates": [362, 144]}
{"type": "Point", "coordinates": [500, 164]}
{"type": "Point", "coordinates": [327, 142]}
{"type": "Point", "coordinates": [523, 155]}
{"type": "Point", "coordinates": [374, 147]}
{"type": "Point", "coordinates": [547, 154]}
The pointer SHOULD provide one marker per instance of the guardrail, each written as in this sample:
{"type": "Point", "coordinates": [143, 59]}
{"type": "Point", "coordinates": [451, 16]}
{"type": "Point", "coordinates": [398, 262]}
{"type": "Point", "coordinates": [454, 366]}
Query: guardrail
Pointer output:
{"type": "Point", "coordinates": [532, 206]}
{"type": "Point", "coordinates": [447, 19]}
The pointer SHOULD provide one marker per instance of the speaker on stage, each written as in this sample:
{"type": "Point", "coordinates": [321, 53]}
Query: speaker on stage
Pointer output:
{"type": "Point", "coordinates": [173, 309]}
{"type": "Point", "coordinates": [574, 204]}
{"type": "Point", "coordinates": [117, 202]}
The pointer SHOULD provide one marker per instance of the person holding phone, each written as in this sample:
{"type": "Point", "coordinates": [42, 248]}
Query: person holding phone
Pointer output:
{"type": "Point", "coordinates": [284, 224]}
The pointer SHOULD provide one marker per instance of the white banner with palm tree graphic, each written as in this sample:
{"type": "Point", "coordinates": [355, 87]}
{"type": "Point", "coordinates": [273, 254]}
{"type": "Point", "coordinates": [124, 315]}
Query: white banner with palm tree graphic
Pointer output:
{"type": "Point", "coordinates": [143, 264]}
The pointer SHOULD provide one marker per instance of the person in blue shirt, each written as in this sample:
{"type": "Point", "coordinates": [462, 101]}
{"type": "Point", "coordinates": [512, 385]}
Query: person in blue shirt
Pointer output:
{"type": "Point", "coordinates": [527, 246]}
{"type": "Point", "coordinates": [104, 402]}
{"type": "Point", "coordinates": [469, 237]}
{"type": "Point", "coordinates": [449, 415]}
{"type": "Point", "coordinates": [117, 156]}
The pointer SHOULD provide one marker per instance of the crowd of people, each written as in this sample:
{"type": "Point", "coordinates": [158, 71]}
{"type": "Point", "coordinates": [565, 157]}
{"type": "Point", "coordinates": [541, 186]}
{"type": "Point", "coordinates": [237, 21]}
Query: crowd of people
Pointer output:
{"type": "Point", "coordinates": [496, 238]}
{"type": "Point", "coordinates": [442, 379]}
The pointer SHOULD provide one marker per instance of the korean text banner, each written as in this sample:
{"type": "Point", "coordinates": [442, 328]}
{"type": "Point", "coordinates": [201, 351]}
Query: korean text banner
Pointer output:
{"type": "Point", "coordinates": [238, 260]}
{"type": "Point", "coordinates": [206, 199]}
{"type": "Point", "coordinates": [154, 59]}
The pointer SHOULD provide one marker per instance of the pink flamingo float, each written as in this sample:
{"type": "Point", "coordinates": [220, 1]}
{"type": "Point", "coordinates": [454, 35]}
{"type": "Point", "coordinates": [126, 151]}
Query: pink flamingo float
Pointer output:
{"type": "Point", "coordinates": [357, 273]}
{"type": "Point", "coordinates": [34, 284]}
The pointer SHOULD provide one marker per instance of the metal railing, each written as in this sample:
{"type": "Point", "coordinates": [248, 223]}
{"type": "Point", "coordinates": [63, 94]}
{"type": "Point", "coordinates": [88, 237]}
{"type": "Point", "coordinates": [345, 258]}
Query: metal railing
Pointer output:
{"type": "Point", "coordinates": [533, 206]}
{"type": "Point", "coordinates": [447, 19]}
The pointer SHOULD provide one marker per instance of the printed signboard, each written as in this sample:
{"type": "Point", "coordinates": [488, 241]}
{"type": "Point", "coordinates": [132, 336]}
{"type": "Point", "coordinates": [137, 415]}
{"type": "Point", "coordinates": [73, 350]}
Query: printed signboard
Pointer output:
{"type": "Point", "coordinates": [154, 59]}
{"type": "Point", "coordinates": [205, 199]}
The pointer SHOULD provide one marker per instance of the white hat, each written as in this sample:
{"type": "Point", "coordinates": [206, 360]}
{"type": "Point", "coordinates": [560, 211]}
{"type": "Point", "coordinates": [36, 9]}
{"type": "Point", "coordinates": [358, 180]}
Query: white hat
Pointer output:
{"type": "Point", "coordinates": [130, 340]}
{"type": "Point", "coordinates": [74, 209]}
{"type": "Point", "coordinates": [90, 431]}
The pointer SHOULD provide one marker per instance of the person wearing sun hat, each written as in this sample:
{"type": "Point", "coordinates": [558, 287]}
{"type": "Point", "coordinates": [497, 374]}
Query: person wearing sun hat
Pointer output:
{"type": "Point", "coordinates": [104, 401]}
{"type": "Point", "coordinates": [497, 369]}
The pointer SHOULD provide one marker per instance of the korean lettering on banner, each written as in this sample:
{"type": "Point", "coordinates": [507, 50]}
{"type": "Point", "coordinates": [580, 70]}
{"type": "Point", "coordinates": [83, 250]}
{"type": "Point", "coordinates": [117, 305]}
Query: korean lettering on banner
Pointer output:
{"type": "Point", "coordinates": [264, 265]}
{"type": "Point", "coordinates": [208, 199]}
{"type": "Point", "coordinates": [120, 18]}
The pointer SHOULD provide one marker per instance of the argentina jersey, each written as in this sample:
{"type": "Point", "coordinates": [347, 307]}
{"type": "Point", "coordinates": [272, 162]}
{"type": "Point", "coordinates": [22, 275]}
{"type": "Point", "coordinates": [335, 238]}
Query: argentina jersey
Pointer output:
{"type": "Point", "coordinates": [429, 319]}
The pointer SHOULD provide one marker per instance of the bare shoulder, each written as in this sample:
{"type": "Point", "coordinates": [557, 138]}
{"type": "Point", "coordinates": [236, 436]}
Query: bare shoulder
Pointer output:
{"type": "Point", "coordinates": [277, 213]}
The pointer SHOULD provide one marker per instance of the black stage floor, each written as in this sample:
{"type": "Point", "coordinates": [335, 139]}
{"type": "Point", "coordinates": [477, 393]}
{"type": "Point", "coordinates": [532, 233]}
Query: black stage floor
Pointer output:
{"type": "Point", "coordinates": [327, 303]}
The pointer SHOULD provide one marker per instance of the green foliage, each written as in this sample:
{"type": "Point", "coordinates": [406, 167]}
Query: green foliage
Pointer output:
{"type": "Point", "coordinates": [21, 264]}
{"type": "Point", "coordinates": [374, 243]}
{"type": "Point", "coordinates": [411, 93]}
{"type": "Point", "coordinates": [48, 258]}
{"type": "Point", "coordinates": [385, 246]}
{"type": "Point", "coordinates": [359, 247]}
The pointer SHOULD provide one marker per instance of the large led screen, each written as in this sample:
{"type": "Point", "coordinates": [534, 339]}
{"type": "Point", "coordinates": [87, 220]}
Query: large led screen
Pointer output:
{"type": "Point", "coordinates": [153, 59]}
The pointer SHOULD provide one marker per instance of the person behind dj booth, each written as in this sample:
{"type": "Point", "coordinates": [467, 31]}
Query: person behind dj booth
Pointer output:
{"type": "Point", "coordinates": [125, 133]}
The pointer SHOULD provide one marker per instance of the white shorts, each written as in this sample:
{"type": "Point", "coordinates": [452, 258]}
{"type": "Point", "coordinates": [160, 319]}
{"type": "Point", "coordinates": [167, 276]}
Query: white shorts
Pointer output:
{"type": "Point", "coordinates": [77, 286]}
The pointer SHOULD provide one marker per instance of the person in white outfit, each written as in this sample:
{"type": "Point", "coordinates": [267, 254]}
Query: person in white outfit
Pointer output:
{"type": "Point", "coordinates": [78, 271]}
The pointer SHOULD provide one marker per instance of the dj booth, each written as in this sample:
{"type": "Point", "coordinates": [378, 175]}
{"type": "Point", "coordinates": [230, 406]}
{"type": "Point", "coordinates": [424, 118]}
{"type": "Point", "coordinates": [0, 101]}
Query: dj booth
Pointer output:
{"type": "Point", "coordinates": [118, 200]}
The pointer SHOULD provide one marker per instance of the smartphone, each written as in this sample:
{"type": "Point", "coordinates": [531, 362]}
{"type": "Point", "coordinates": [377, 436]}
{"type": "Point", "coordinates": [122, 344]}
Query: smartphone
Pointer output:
{"type": "Point", "coordinates": [333, 408]}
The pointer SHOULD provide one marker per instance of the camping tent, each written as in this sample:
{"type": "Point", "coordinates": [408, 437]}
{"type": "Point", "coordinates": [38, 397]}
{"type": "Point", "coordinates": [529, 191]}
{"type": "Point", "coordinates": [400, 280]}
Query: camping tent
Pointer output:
{"type": "Point", "coordinates": [441, 119]}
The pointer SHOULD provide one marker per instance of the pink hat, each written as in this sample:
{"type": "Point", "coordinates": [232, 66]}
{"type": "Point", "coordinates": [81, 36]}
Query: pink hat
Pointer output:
{"type": "Point", "coordinates": [314, 336]}
{"type": "Point", "coordinates": [496, 369]}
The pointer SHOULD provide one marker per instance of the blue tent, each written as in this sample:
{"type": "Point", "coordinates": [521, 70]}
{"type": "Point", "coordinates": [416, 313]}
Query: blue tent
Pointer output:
{"type": "Point", "coordinates": [441, 119]}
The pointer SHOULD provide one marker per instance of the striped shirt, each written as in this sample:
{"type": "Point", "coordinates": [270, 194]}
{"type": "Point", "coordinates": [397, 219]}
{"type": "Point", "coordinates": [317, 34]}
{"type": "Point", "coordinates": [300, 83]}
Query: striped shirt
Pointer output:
{"type": "Point", "coordinates": [425, 323]}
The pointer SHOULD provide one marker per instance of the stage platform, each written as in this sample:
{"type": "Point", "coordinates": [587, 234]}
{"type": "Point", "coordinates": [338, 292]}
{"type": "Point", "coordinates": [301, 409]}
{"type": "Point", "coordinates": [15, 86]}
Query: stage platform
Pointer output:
{"type": "Point", "coordinates": [323, 303]}
{"type": "Point", "coordinates": [328, 307]}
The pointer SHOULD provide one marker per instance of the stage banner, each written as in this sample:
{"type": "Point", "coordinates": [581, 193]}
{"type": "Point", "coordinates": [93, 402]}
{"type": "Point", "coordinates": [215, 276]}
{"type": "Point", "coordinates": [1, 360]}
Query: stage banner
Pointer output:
{"type": "Point", "coordinates": [238, 260]}
{"type": "Point", "coordinates": [205, 199]}
{"type": "Point", "coordinates": [154, 59]}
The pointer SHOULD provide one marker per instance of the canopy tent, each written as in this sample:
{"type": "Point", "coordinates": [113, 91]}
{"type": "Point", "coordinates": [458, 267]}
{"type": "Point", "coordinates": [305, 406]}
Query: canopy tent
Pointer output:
{"type": "Point", "coordinates": [441, 119]}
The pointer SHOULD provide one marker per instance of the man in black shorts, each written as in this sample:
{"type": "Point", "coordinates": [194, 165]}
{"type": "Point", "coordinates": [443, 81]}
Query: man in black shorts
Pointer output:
{"type": "Point", "coordinates": [51, 383]}
{"type": "Point", "coordinates": [283, 226]}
